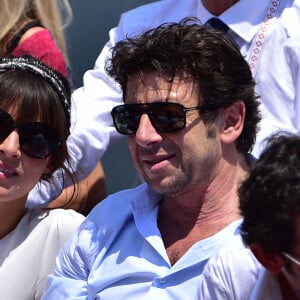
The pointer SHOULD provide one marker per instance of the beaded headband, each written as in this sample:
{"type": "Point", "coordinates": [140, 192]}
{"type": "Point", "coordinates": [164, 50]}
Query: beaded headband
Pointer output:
{"type": "Point", "coordinates": [35, 66]}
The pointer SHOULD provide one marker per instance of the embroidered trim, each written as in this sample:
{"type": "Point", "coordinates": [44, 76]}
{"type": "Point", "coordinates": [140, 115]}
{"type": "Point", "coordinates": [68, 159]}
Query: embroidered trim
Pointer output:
{"type": "Point", "coordinates": [260, 37]}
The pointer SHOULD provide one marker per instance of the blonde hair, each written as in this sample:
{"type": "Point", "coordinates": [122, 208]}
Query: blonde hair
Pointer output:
{"type": "Point", "coordinates": [55, 15]}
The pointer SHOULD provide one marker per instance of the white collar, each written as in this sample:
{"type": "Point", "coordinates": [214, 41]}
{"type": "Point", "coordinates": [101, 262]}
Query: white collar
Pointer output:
{"type": "Point", "coordinates": [243, 18]}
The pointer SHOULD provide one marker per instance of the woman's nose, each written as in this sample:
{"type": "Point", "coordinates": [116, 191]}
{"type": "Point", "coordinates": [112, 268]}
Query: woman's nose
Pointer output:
{"type": "Point", "coordinates": [11, 145]}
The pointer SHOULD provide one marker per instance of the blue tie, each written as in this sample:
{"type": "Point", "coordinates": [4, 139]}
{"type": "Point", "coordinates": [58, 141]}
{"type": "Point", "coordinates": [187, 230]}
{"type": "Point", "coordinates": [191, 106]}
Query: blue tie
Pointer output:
{"type": "Point", "coordinates": [216, 23]}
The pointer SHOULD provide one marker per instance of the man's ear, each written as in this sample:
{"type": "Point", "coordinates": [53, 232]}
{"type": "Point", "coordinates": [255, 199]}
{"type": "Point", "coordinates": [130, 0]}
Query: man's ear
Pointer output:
{"type": "Point", "coordinates": [271, 261]}
{"type": "Point", "coordinates": [233, 118]}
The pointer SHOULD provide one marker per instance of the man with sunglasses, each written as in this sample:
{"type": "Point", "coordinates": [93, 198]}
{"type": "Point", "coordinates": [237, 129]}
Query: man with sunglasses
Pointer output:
{"type": "Point", "coordinates": [270, 206]}
{"type": "Point", "coordinates": [268, 37]}
{"type": "Point", "coordinates": [267, 34]}
{"type": "Point", "coordinates": [190, 113]}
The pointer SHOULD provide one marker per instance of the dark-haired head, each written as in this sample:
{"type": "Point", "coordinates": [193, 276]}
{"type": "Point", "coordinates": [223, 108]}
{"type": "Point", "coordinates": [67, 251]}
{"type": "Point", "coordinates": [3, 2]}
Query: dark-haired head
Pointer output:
{"type": "Point", "coordinates": [192, 50]}
{"type": "Point", "coordinates": [32, 92]}
{"type": "Point", "coordinates": [270, 196]}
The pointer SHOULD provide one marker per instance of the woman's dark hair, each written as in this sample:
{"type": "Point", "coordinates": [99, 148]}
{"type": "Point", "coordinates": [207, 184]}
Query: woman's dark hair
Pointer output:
{"type": "Point", "coordinates": [270, 196]}
{"type": "Point", "coordinates": [203, 53]}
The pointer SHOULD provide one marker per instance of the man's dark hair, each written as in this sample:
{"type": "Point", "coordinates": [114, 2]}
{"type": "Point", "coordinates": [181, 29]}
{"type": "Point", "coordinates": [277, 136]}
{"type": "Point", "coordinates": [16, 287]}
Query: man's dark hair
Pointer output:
{"type": "Point", "coordinates": [270, 196]}
{"type": "Point", "coordinates": [205, 54]}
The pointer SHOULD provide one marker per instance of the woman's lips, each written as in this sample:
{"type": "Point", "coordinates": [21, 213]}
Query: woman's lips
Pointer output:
{"type": "Point", "coordinates": [7, 171]}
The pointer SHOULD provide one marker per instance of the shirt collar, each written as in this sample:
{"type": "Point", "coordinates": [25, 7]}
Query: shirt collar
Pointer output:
{"type": "Point", "coordinates": [243, 18]}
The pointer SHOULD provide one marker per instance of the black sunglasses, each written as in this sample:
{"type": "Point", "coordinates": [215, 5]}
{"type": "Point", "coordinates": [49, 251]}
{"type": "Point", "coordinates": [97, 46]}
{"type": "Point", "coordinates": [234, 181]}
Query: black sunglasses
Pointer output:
{"type": "Point", "coordinates": [36, 139]}
{"type": "Point", "coordinates": [164, 116]}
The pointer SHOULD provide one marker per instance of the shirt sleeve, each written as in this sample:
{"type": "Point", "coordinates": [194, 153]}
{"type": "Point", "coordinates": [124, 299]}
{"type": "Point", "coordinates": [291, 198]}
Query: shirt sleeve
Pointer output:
{"type": "Point", "coordinates": [293, 54]}
{"type": "Point", "coordinates": [92, 129]}
{"type": "Point", "coordinates": [231, 275]}
{"type": "Point", "coordinates": [61, 224]}
{"type": "Point", "coordinates": [69, 280]}
{"type": "Point", "coordinates": [74, 268]}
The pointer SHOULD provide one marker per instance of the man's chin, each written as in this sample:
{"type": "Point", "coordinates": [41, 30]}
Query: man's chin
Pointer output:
{"type": "Point", "coordinates": [167, 189]}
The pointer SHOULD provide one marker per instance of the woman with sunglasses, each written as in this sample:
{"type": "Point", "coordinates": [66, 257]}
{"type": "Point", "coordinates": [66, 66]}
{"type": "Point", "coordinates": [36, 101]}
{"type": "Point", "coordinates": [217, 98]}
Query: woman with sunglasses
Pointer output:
{"type": "Point", "coordinates": [34, 126]}
{"type": "Point", "coordinates": [36, 28]}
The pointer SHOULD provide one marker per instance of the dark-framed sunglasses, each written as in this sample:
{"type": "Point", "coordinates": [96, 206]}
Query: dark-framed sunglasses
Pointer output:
{"type": "Point", "coordinates": [164, 116]}
{"type": "Point", "coordinates": [36, 139]}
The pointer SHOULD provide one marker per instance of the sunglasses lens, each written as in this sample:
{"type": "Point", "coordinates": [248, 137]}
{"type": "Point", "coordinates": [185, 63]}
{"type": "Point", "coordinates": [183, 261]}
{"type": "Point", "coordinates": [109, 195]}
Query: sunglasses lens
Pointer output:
{"type": "Point", "coordinates": [167, 117]}
{"type": "Point", "coordinates": [6, 125]}
{"type": "Point", "coordinates": [126, 119]}
{"type": "Point", "coordinates": [38, 140]}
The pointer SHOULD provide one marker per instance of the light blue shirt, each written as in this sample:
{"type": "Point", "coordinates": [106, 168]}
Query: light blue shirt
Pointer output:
{"type": "Point", "coordinates": [118, 253]}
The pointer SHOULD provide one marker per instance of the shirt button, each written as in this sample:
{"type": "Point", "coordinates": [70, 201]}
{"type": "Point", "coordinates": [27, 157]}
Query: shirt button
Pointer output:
{"type": "Point", "coordinates": [163, 280]}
